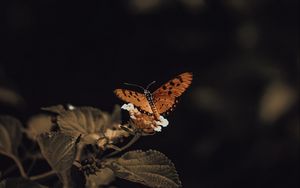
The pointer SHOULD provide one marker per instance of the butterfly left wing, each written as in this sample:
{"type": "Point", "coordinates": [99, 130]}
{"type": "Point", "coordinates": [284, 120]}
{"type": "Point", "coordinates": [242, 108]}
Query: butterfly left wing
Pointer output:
{"type": "Point", "coordinates": [165, 96]}
{"type": "Point", "coordinates": [137, 99]}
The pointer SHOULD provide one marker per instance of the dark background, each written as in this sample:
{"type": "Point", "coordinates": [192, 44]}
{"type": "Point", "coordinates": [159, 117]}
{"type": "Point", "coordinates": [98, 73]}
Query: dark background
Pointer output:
{"type": "Point", "coordinates": [236, 126]}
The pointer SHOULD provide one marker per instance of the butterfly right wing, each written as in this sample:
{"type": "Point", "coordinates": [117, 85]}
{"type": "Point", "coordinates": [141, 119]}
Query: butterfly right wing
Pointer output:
{"type": "Point", "coordinates": [137, 99]}
{"type": "Point", "coordinates": [166, 96]}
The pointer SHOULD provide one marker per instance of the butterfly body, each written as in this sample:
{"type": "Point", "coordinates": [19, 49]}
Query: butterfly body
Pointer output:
{"type": "Point", "coordinates": [149, 98]}
{"type": "Point", "coordinates": [161, 100]}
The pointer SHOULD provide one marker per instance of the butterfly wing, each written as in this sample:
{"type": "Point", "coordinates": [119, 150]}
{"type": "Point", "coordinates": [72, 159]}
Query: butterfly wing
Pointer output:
{"type": "Point", "coordinates": [137, 99]}
{"type": "Point", "coordinates": [165, 96]}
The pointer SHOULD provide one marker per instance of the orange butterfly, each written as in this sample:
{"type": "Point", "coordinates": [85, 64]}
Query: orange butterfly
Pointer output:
{"type": "Point", "coordinates": [160, 101]}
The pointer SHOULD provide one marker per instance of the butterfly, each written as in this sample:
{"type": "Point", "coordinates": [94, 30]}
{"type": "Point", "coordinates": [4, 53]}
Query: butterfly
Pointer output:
{"type": "Point", "coordinates": [162, 100]}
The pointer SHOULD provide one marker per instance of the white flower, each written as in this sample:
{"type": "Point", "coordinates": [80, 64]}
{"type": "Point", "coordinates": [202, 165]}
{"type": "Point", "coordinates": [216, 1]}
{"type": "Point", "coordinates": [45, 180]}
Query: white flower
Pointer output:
{"type": "Point", "coordinates": [157, 129]}
{"type": "Point", "coordinates": [127, 107]}
{"type": "Point", "coordinates": [162, 121]}
{"type": "Point", "coordinates": [144, 121]}
{"type": "Point", "coordinates": [131, 109]}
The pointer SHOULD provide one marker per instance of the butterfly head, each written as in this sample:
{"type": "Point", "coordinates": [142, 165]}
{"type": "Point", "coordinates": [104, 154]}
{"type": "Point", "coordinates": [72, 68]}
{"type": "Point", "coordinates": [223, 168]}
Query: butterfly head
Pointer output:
{"type": "Point", "coordinates": [148, 94]}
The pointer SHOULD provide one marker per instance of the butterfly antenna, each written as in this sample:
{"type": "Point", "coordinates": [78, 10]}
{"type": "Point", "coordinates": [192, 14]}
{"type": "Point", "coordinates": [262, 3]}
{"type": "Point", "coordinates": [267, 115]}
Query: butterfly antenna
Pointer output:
{"type": "Point", "coordinates": [150, 85]}
{"type": "Point", "coordinates": [135, 85]}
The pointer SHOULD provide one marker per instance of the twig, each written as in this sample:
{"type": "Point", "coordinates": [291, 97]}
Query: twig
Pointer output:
{"type": "Point", "coordinates": [42, 176]}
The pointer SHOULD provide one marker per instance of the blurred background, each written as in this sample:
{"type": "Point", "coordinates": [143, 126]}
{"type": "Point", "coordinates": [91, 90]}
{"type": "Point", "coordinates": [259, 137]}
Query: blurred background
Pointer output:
{"type": "Point", "coordinates": [237, 125]}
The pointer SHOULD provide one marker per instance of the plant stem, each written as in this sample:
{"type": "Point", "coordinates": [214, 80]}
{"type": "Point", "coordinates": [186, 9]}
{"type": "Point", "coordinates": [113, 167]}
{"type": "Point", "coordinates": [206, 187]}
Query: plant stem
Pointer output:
{"type": "Point", "coordinates": [31, 166]}
{"type": "Point", "coordinates": [79, 151]}
{"type": "Point", "coordinates": [9, 170]}
{"type": "Point", "coordinates": [14, 166]}
{"type": "Point", "coordinates": [19, 165]}
{"type": "Point", "coordinates": [132, 141]}
{"type": "Point", "coordinates": [42, 176]}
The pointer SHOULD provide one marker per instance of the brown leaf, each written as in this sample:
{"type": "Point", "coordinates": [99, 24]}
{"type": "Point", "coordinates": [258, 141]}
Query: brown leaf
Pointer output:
{"type": "Point", "coordinates": [58, 149]}
{"type": "Point", "coordinates": [10, 134]}
{"type": "Point", "coordinates": [150, 168]}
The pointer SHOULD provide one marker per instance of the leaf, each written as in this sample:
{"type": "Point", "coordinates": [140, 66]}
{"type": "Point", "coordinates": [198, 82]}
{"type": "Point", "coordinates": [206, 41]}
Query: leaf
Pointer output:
{"type": "Point", "coordinates": [58, 149]}
{"type": "Point", "coordinates": [150, 168]}
{"type": "Point", "coordinates": [58, 109]}
{"type": "Point", "coordinates": [73, 177]}
{"type": "Point", "coordinates": [77, 176]}
{"type": "Point", "coordinates": [86, 121]}
{"type": "Point", "coordinates": [10, 135]}
{"type": "Point", "coordinates": [10, 97]}
{"type": "Point", "coordinates": [37, 125]}
{"type": "Point", "coordinates": [2, 184]}
{"type": "Point", "coordinates": [102, 177]}
{"type": "Point", "coordinates": [5, 142]}
{"type": "Point", "coordinates": [277, 99]}
{"type": "Point", "coordinates": [20, 183]}
{"type": "Point", "coordinates": [116, 115]}
{"type": "Point", "coordinates": [67, 180]}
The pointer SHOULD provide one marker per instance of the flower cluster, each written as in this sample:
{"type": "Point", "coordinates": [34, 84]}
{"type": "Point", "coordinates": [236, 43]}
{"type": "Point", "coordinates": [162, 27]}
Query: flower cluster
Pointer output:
{"type": "Point", "coordinates": [143, 121]}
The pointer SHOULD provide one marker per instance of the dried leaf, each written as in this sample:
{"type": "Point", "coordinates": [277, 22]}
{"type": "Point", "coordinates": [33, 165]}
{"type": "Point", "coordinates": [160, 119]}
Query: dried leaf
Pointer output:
{"type": "Point", "coordinates": [58, 149]}
{"type": "Point", "coordinates": [20, 183]}
{"type": "Point", "coordinates": [10, 134]}
{"type": "Point", "coordinates": [37, 125]}
{"type": "Point", "coordinates": [86, 121]}
{"type": "Point", "coordinates": [102, 177]}
{"type": "Point", "coordinates": [150, 168]}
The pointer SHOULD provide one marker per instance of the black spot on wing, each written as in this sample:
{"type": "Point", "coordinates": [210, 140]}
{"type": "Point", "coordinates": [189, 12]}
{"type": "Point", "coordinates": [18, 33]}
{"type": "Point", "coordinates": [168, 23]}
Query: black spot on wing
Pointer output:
{"type": "Point", "coordinates": [164, 87]}
{"type": "Point", "coordinates": [169, 110]}
{"type": "Point", "coordinates": [123, 91]}
{"type": "Point", "coordinates": [169, 92]}
{"type": "Point", "coordinates": [179, 78]}
{"type": "Point", "coordinates": [172, 83]}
